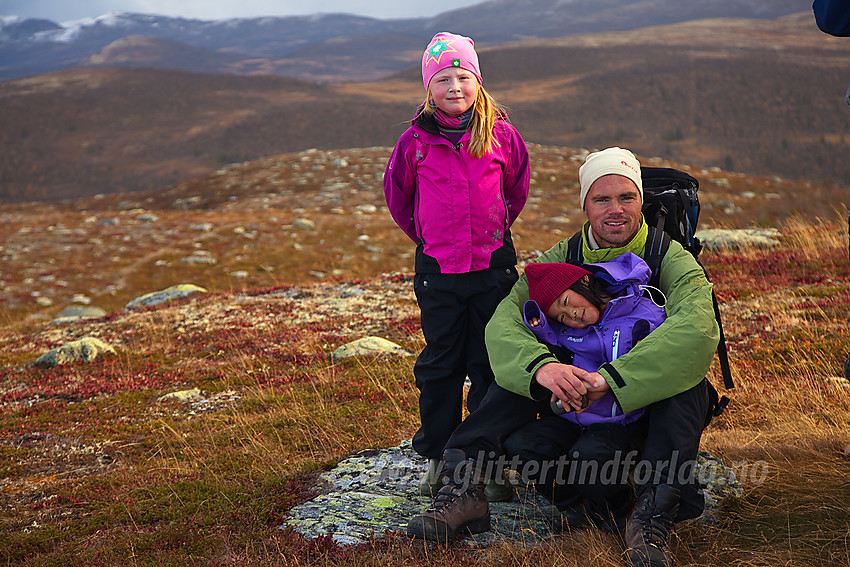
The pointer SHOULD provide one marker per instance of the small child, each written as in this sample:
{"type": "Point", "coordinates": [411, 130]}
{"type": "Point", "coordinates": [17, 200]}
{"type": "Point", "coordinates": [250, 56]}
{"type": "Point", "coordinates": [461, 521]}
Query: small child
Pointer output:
{"type": "Point", "coordinates": [597, 312]}
{"type": "Point", "coordinates": [455, 183]}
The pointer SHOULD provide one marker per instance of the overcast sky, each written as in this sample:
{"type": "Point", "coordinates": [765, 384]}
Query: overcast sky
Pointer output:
{"type": "Point", "coordinates": [66, 10]}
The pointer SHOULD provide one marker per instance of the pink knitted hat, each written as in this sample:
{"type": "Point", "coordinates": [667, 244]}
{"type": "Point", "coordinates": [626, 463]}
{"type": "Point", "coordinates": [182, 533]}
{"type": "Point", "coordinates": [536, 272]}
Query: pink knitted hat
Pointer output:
{"type": "Point", "coordinates": [449, 50]}
{"type": "Point", "coordinates": [547, 281]}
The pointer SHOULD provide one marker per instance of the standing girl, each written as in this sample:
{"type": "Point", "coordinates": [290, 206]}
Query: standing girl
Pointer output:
{"type": "Point", "coordinates": [455, 183]}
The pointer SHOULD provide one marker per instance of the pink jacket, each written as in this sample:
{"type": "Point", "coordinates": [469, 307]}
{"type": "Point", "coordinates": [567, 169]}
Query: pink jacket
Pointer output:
{"type": "Point", "coordinates": [456, 208]}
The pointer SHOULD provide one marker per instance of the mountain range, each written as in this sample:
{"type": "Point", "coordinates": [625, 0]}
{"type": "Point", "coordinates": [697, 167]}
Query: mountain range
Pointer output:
{"type": "Point", "coordinates": [327, 47]}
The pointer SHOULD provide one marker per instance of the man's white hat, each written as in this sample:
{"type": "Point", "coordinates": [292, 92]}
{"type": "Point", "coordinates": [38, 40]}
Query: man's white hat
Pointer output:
{"type": "Point", "coordinates": [616, 161]}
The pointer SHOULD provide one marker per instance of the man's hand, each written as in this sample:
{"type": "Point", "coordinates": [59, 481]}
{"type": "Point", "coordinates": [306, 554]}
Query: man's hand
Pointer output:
{"type": "Point", "coordinates": [596, 387]}
{"type": "Point", "coordinates": [568, 383]}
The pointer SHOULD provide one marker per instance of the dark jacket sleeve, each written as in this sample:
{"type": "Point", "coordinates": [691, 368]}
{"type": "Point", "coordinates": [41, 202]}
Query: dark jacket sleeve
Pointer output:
{"type": "Point", "coordinates": [833, 16]}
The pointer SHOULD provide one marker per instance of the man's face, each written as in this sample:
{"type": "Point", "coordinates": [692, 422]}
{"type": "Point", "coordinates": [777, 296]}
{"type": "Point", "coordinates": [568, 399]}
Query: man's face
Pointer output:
{"type": "Point", "coordinates": [613, 207]}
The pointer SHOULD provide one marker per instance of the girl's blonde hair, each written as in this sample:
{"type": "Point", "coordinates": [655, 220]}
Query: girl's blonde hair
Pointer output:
{"type": "Point", "coordinates": [485, 112]}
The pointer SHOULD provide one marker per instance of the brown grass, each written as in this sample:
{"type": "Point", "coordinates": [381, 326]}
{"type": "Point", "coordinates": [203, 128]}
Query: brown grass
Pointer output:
{"type": "Point", "coordinates": [95, 471]}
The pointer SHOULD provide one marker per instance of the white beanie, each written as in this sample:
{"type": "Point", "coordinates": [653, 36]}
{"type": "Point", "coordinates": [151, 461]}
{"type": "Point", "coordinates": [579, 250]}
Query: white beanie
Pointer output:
{"type": "Point", "coordinates": [606, 162]}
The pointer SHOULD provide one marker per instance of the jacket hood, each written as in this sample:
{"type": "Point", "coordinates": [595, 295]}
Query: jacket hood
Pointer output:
{"type": "Point", "coordinates": [621, 272]}
{"type": "Point", "coordinates": [424, 120]}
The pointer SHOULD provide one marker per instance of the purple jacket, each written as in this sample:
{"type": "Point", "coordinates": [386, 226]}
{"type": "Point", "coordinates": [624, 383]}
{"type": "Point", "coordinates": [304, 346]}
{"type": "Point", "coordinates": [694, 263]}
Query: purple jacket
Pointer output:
{"type": "Point", "coordinates": [456, 208]}
{"type": "Point", "coordinates": [627, 318]}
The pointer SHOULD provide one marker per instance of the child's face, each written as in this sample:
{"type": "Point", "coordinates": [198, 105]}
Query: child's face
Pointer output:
{"type": "Point", "coordinates": [454, 90]}
{"type": "Point", "coordinates": [573, 310]}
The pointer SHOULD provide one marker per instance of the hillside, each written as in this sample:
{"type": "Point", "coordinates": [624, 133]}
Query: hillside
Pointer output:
{"type": "Point", "coordinates": [79, 133]}
{"type": "Point", "coordinates": [212, 420]}
{"type": "Point", "coordinates": [763, 98]}
{"type": "Point", "coordinates": [243, 220]}
{"type": "Point", "coordinates": [145, 51]}
{"type": "Point", "coordinates": [755, 97]}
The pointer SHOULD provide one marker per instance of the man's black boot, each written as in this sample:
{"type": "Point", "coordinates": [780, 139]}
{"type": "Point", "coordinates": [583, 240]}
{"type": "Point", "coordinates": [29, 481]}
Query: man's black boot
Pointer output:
{"type": "Point", "coordinates": [568, 519]}
{"type": "Point", "coordinates": [648, 528]}
{"type": "Point", "coordinates": [611, 515]}
{"type": "Point", "coordinates": [459, 506]}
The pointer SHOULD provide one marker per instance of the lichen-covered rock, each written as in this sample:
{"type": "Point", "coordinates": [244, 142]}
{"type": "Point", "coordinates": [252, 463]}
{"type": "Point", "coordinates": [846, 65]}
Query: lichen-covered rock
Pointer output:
{"type": "Point", "coordinates": [719, 483]}
{"type": "Point", "coordinates": [74, 313]}
{"type": "Point", "coordinates": [376, 491]}
{"type": "Point", "coordinates": [87, 349]}
{"type": "Point", "coordinates": [199, 259]}
{"type": "Point", "coordinates": [182, 396]}
{"type": "Point", "coordinates": [717, 239]}
{"type": "Point", "coordinates": [369, 346]}
{"type": "Point", "coordinates": [195, 401]}
{"type": "Point", "coordinates": [167, 294]}
{"type": "Point", "coordinates": [304, 223]}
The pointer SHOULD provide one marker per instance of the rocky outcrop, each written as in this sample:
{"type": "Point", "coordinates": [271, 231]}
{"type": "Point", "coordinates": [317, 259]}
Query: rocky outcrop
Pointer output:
{"type": "Point", "coordinates": [376, 491]}
{"type": "Point", "coordinates": [369, 346]}
{"type": "Point", "coordinates": [74, 313]}
{"type": "Point", "coordinates": [167, 294]}
{"type": "Point", "coordinates": [719, 239]}
{"type": "Point", "coordinates": [86, 349]}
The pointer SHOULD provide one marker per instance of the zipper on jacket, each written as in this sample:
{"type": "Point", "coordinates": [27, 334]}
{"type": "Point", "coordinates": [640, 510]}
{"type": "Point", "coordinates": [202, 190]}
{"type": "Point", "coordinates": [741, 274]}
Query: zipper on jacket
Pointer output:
{"type": "Point", "coordinates": [616, 345]}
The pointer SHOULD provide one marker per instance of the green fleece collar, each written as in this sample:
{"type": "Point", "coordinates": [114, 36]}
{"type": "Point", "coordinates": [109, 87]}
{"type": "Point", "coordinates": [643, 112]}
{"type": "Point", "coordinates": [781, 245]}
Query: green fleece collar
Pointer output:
{"type": "Point", "coordinates": [635, 245]}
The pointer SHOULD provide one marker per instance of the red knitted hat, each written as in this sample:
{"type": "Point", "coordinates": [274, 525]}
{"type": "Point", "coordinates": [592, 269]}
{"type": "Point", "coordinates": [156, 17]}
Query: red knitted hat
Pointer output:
{"type": "Point", "coordinates": [547, 281]}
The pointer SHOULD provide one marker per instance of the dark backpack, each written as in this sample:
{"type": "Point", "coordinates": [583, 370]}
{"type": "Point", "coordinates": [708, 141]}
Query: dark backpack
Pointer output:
{"type": "Point", "coordinates": [671, 203]}
{"type": "Point", "coordinates": [671, 209]}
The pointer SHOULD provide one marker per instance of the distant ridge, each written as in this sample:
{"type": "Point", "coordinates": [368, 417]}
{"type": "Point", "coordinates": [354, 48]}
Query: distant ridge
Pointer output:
{"type": "Point", "coordinates": [331, 47]}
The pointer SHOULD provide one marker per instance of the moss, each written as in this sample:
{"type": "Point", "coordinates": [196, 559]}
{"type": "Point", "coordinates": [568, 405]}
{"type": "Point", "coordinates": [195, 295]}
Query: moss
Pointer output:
{"type": "Point", "coordinates": [13, 461]}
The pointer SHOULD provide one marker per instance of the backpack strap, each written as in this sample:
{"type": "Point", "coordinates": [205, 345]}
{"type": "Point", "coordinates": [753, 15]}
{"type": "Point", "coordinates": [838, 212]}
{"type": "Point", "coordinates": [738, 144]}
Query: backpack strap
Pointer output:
{"type": "Point", "coordinates": [723, 357]}
{"type": "Point", "coordinates": [657, 243]}
{"type": "Point", "coordinates": [722, 353]}
{"type": "Point", "coordinates": [574, 255]}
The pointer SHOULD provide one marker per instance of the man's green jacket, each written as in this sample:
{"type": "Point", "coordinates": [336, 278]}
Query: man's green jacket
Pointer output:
{"type": "Point", "coordinates": [674, 358]}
